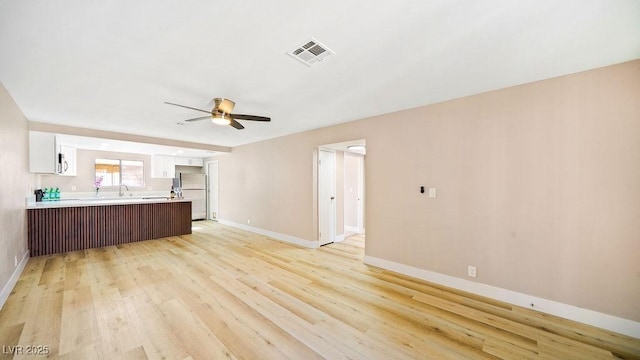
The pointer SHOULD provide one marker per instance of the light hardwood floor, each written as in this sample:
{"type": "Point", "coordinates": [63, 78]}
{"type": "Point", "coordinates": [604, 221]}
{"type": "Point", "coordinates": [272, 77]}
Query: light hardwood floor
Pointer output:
{"type": "Point", "coordinates": [226, 293]}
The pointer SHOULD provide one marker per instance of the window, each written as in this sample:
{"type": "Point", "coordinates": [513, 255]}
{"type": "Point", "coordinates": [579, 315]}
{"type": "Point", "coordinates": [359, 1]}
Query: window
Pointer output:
{"type": "Point", "coordinates": [115, 172]}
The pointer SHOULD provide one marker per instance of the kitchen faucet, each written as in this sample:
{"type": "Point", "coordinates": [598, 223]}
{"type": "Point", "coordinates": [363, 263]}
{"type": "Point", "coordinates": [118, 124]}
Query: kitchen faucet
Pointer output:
{"type": "Point", "coordinates": [121, 193]}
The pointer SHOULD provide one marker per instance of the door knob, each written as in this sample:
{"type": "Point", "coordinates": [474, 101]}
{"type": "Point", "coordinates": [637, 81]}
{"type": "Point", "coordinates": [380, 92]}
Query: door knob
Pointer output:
{"type": "Point", "coordinates": [333, 198]}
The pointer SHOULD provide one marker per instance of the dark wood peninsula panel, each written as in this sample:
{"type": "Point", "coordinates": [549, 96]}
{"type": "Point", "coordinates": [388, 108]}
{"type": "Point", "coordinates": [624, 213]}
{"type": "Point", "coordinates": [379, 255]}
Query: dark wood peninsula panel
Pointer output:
{"type": "Point", "coordinates": [63, 229]}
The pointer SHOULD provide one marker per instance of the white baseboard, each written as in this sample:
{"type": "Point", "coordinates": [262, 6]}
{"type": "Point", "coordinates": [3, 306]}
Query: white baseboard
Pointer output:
{"type": "Point", "coordinates": [353, 229]}
{"type": "Point", "coordinates": [6, 291]}
{"type": "Point", "coordinates": [282, 237]}
{"type": "Point", "coordinates": [601, 320]}
{"type": "Point", "coordinates": [339, 238]}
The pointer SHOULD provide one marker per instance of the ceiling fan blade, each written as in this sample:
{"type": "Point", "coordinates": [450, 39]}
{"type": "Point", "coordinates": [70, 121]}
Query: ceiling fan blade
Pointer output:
{"type": "Point", "coordinates": [236, 124]}
{"type": "Point", "coordinates": [250, 117]}
{"type": "Point", "coordinates": [199, 118]}
{"type": "Point", "coordinates": [187, 107]}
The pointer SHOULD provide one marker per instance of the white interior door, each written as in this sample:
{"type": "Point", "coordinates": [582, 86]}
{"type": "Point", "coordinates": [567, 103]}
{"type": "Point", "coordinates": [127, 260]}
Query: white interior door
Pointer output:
{"type": "Point", "coordinates": [212, 170]}
{"type": "Point", "coordinates": [326, 197]}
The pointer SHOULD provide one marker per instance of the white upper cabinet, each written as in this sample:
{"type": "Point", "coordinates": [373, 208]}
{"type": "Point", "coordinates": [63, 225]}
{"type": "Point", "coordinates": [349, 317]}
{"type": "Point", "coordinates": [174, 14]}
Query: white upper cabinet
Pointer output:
{"type": "Point", "coordinates": [163, 166]}
{"type": "Point", "coordinates": [189, 161]}
{"type": "Point", "coordinates": [47, 157]}
{"type": "Point", "coordinates": [42, 153]}
{"type": "Point", "coordinates": [51, 153]}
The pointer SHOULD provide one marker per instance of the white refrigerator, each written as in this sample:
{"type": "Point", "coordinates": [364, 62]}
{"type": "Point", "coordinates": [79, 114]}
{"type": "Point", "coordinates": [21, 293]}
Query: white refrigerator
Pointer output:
{"type": "Point", "coordinates": [194, 188]}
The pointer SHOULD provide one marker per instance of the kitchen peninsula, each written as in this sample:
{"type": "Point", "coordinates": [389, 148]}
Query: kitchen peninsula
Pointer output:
{"type": "Point", "coordinates": [70, 225]}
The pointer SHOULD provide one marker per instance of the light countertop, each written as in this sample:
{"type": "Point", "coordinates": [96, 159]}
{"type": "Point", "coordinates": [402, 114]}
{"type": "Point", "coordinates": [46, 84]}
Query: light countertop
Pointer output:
{"type": "Point", "coordinates": [98, 201]}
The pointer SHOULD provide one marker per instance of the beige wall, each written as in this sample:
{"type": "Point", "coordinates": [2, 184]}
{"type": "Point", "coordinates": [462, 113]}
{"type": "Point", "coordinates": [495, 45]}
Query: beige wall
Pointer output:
{"type": "Point", "coordinates": [15, 182]}
{"type": "Point", "coordinates": [255, 184]}
{"type": "Point", "coordinates": [538, 187]}
{"type": "Point", "coordinates": [85, 177]}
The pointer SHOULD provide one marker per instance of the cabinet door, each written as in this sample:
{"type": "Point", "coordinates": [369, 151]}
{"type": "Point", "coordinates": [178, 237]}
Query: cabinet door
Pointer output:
{"type": "Point", "coordinates": [170, 167]}
{"type": "Point", "coordinates": [196, 161]}
{"type": "Point", "coordinates": [188, 161]}
{"type": "Point", "coordinates": [42, 152]}
{"type": "Point", "coordinates": [157, 166]}
{"type": "Point", "coordinates": [163, 166]}
{"type": "Point", "coordinates": [182, 161]}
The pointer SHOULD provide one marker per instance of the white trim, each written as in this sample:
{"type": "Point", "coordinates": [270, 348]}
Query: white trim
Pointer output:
{"type": "Point", "coordinates": [353, 229]}
{"type": "Point", "coordinates": [571, 312]}
{"type": "Point", "coordinates": [6, 291]}
{"type": "Point", "coordinates": [282, 237]}
{"type": "Point", "coordinates": [339, 238]}
{"type": "Point", "coordinates": [209, 215]}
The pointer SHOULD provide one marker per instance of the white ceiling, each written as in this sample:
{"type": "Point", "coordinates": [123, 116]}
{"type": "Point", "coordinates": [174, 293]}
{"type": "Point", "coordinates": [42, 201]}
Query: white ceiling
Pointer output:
{"type": "Point", "coordinates": [110, 65]}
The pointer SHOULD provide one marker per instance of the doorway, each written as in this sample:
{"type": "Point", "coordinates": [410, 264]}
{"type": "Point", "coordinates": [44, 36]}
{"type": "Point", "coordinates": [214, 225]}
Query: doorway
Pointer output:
{"type": "Point", "coordinates": [212, 194]}
{"type": "Point", "coordinates": [326, 197]}
{"type": "Point", "coordinates": [340, 190]}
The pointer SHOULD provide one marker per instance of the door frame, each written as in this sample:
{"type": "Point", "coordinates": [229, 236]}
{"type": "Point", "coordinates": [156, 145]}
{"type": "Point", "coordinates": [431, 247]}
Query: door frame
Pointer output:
{"type": "Point", "coordinates": [213, 186]}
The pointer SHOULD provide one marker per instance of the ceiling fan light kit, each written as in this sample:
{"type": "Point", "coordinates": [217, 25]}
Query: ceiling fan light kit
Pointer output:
{"type": "Point", "coordinates": [221, 119]}
{"type": "Point", "coordinates": [221, 114]}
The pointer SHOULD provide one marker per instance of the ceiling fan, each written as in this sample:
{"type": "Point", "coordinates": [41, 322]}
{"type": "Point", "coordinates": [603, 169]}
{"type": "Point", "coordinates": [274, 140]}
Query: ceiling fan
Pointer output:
{"type": "Point", "coordinates": [221, 113]}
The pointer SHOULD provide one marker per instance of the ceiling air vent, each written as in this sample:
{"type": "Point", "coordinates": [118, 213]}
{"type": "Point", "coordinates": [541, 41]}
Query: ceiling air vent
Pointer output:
{"type": "Point", "coordinates": [310, 52]}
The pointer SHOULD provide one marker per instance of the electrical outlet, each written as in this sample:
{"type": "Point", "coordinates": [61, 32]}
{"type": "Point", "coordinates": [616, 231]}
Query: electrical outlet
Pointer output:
{"type": "Point", "coordinates": [248, 221]}
{"type": "Point", "coordinates": [15, 260]}
{"type": "Point", "coordinates": [471, 271]}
